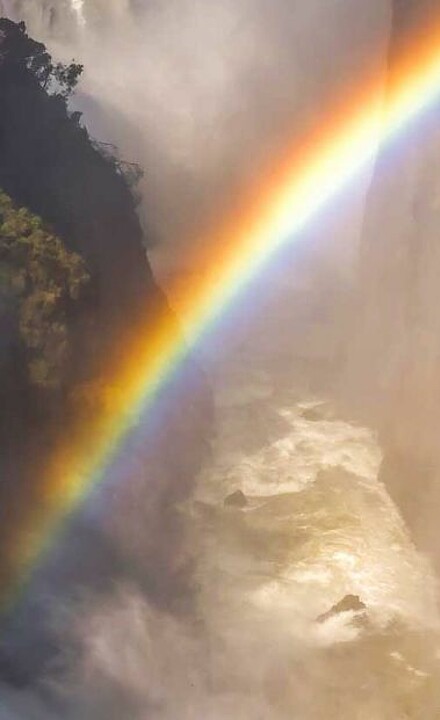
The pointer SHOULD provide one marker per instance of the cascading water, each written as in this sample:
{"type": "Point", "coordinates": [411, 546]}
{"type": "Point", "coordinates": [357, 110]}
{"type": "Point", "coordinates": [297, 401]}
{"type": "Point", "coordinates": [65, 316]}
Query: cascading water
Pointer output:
{"type": "Point", "coordinates": [78, 8]}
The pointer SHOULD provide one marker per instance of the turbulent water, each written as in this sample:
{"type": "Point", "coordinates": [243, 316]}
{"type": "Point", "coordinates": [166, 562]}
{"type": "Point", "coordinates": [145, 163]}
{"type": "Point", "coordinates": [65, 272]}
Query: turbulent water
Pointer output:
{"type": "Point", "coordinates": [269, 638]}
{"type": "Point", "coordinates": [310, 601]}
{"type": "Point", "coordinates": [317, 527]}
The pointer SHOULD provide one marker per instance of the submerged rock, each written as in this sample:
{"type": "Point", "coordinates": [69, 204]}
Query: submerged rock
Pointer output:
{"type": "Point", "coordinates": [349, 603]}
{"type": "Point", "coordinates": [316, 413]}
{"type": "Point", "coordinates": [236, 499]}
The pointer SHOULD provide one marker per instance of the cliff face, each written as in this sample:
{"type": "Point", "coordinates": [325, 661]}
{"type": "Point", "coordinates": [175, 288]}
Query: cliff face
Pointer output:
{"type": "Point", "coordinates": [49, 164]}
{"type": "Point", "coordinates": [394, 369]}
{"type": "Point", "coordinates": [75, 281]}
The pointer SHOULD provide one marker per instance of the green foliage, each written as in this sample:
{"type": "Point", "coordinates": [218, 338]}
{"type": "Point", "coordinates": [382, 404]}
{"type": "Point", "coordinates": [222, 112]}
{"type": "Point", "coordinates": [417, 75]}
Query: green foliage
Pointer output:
{"type": "Point", "coordinates": [49, 162]}
{"type": "Point", "coordinates": [40, 282]}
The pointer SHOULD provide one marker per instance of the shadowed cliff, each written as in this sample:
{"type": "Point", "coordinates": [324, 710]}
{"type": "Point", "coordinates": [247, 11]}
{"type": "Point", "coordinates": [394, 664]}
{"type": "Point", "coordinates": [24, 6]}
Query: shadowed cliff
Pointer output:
{"type": "Point", "coordinates": [75, 281]}
{"type": "Point", "coordinates": [393, 369]}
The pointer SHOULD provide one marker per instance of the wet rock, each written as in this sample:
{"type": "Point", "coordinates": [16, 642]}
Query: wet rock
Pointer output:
{"type": "Point", "coordinates": [315, 413]}
{"type": "Point", "coordinates": [236, 499]}
{"type": "Point", "coordinates": [349, 603]}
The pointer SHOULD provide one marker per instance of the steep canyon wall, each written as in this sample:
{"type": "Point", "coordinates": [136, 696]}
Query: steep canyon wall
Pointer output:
{"type": "Point", "coordinates": [394, 365]}
{"type": "Point", "coordinates": [68, 208]}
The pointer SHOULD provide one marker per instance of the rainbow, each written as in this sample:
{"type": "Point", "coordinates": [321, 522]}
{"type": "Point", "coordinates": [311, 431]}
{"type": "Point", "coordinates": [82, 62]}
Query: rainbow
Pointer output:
{"type": "Point", "coordinates": [311, 174]}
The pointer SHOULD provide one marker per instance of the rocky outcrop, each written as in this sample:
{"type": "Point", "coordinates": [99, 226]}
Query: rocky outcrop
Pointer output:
{"type": "Point", "coordinates": [349, 603]}
{"type": "Point", "coordinates": [65, 202]}
{"type": "Point", "coordinates": [236, 499]}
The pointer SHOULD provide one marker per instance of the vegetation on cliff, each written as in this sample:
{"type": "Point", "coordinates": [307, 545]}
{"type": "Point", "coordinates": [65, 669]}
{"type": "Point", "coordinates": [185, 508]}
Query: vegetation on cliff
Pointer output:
{"type": "Point", "coordinates": [50, 165]}
{"type": "Point", "coordinates": [75, 289]}
{"type": "Point", "coordinates": [73, 266]}
{"type": "Point", "coordinates": [40, 284]}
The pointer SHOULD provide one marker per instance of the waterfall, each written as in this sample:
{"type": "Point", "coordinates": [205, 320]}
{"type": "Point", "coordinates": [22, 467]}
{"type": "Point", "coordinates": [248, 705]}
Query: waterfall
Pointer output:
{"type": "Point", "coordinates": [7, 8]}
{"type": "Point", "coordinates": [46, 18]}
{"type": "Point", "coordinates": [78, 8]}
{"type": "Point", "coordinates": [311, 599]}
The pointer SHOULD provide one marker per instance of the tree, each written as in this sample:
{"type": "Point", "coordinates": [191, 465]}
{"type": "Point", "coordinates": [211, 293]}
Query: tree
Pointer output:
{"type": "Point", "coordinates": [40, 282]}
{"type": "Point", "coordinates": [19, 53]}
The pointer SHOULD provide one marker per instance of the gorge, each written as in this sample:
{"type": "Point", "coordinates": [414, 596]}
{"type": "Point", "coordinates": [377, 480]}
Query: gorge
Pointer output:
{"type": "Point", "coordinates": [270, 552]}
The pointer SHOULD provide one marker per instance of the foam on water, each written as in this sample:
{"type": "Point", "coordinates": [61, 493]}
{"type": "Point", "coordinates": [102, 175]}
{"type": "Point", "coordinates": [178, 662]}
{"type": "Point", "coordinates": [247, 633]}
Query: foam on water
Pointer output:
{"type": "Point", "coordinates": [318, 525]}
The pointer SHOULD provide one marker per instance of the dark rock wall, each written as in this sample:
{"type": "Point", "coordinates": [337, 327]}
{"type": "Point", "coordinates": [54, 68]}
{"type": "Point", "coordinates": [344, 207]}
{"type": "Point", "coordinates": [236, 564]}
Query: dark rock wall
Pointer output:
{"type": "Point", "coordinates": [49, 165]}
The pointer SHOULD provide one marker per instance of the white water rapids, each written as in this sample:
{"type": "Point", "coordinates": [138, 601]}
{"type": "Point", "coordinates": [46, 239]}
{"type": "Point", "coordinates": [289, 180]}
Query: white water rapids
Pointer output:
{"type": "Point", "coordinates": [311, 527]}
{"type": "Point", "coordinates": [316, 528]}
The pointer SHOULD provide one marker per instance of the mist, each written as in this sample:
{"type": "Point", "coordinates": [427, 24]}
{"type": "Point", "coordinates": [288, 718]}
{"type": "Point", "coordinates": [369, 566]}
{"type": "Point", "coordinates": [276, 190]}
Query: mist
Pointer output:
{"type": "Point", "coordinates": [200, 94]}
{"type": "Point", "coordinates": [293, 511]}
{"type": "Point", "coordinates": [204, 96]}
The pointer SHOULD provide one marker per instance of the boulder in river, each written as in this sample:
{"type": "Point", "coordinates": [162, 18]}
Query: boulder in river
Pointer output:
{"type": "Point", "coordinates": [349, 603]}
{"type": "Point", "coordinates": [236, 499]}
